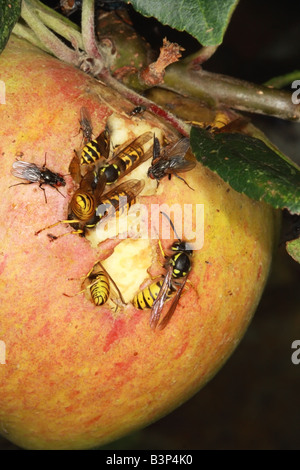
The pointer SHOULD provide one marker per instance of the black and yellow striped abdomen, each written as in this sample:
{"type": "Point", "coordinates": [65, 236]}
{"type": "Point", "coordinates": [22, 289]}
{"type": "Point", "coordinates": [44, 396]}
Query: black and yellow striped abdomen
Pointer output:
{"type": "Point", "coordinates": [90, 153]}
{"type": "Point", "coordinates": [145, 298]}
{"type": "Point", "coordinates": [119, 199]}
{"type": "Point", "coordinates": [115, 205]}
{"type": "Point", "coordinates": [128, 158]}
{"type": "Point", "coordinates": [83, 205]}
{"type": "Point", "coordinates": [96, 149]}
{"type": "Point", "coordinates": [121, 164]}
{"type": "Point", "coordinates": [99, 288]}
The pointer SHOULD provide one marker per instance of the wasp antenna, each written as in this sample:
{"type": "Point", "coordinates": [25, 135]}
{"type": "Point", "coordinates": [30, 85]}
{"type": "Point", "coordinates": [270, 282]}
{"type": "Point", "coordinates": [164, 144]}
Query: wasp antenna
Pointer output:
{"type": "Point", "coordinates": [171, 223]}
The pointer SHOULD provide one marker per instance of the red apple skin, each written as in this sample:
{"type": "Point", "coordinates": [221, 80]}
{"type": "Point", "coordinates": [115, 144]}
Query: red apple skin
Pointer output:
{"type": "Point", "coordinates": [77, 376]}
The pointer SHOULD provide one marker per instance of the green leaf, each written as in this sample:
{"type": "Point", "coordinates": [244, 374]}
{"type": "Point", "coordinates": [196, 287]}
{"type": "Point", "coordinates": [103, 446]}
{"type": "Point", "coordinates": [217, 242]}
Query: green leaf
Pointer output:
{"type": "Point", "coordinates": [206, 20]}
{"type": "Point", "coordinates": [9, 15]}
{"type": "Point", "coordinates": [250, 167]}
{"type": "Point", "coordinates": [293, 249]}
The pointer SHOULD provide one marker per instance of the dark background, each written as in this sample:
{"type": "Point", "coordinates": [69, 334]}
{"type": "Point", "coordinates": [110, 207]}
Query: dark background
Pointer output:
{"type": "Point", "coordinates": [253, 402]}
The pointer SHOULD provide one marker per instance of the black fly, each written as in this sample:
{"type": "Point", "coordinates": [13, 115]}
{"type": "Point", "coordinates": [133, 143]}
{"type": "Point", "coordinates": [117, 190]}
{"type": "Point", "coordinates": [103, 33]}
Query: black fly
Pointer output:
{"type": "Point", "coordinates": [170, 160]}
{"type": "Point", "coordinates": [36, 174]}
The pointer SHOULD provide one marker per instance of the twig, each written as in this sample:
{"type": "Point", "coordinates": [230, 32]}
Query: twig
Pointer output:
{"type": "Point", "coordinates": [216, 90]}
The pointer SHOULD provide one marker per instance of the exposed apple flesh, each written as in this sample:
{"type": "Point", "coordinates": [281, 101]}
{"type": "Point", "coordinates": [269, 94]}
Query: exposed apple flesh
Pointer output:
{"type": "Point", "coordinates": [77, 375]}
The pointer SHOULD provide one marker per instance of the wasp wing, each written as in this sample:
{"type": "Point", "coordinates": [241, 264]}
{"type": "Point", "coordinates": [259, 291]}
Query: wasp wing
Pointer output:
{"type": "Point", "coordinates": [117, 198]}
{"type": "Point", "coordinates": [161, 299]}
{"type": "Point", "coordinates": [103, 141]}
{"type": "Point", "coordinates": [236, 125]}
{"type": "Point", "coordinates": [129, 144]}
{"type": "Point", "coordinates": [117, 294]}
{"type": "Point", "coordinates": [100, 183]}
{"type": "Point", "coordinates": [173, 306]}
{"type": "Point", "coordinates": [74, 168]}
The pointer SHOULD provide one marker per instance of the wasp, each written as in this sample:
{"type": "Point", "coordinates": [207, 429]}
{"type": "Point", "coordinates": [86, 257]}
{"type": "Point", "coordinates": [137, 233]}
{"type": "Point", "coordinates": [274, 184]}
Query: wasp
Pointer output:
{"type": "Point", "coordinates": [177, 266]}
{"type": "Point", "coordinates": [100, 286]}
{"type": "Point", "coordinates": [36, 174]}
{"type": "Point", "coordinates": [82, 207]}
{"type": "Point", "coordinates": [84, 202]}
{"type": "Point", "coordinates": [96, 149]}
{"type": "Point", "coordinates": [87, 207]}
{"type": "Point", "coordinates": [220, 120]}
{"type": "Point", "coordinates": [118, 200]}
{"type": "Point", "coordinates": [127, 159]}
{"type": "Point", "coordinates": [222, 123]}
{"type": "Point", "coordinates": [147, 296]}
{"type": "Point", "coordinates": [170, 160]}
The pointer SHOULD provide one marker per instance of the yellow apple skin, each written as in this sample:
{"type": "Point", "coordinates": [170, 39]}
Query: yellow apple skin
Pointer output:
{"type": "Point", "coordinates": [78, 376]}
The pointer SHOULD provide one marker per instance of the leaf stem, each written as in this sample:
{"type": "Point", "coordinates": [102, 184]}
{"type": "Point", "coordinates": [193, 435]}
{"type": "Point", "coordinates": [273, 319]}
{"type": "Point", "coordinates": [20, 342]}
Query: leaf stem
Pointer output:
{"type": "Point", "coordinates": [283, 80]}
{"type": "Point", "coordinates": [194, 61]}
{"type": "Point", "coordinates": [58, 23]}
{"type": "Point", "coordinates": [48, 39]}
{"type": "Point", "coordinates": [88, 30]}
{"type": "Point", "coordinates": [24, 32]}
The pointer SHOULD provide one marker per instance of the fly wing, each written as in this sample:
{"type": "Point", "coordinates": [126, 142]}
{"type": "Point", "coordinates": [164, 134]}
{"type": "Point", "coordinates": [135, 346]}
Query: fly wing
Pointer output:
{"type": "Point", "coordinates": [179, 164]}
{"type": "Point", "coordinates": [86, 123]}
{"type": "Point", "coordinates": [27, 171]}
{"type": "Point", "coordinates": [85, 117]}
{"type": "Point", "coordinates": [178, 149]}
{"type": "Point", "coordinates": [156, 149]}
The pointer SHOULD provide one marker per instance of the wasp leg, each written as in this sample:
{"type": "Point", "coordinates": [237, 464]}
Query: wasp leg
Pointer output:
{"type": "Point", "coordinates": [56, 237]}
{"type": "Point", "coordinates": [57, 223]}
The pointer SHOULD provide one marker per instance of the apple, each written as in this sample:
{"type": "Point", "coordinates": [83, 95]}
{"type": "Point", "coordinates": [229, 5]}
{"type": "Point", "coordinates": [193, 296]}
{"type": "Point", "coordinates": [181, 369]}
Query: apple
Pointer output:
{"type": "Point", "coordinates": [76, 375]}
